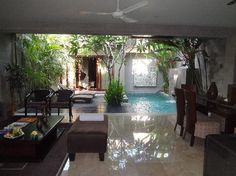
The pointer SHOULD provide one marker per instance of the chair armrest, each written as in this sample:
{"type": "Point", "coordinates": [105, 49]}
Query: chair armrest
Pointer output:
{"type": "Point", "coordinates": [71, 96]}
{"type": "Point", "coordinates": [51, 95]}
{"type": "Point", "coordinates": [28, 96]}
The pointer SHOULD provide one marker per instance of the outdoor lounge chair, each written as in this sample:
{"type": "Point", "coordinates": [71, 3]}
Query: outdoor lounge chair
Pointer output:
{"type": "Point", "coordinates": [85, 92]}
{"type": "Point", "coordinates": [82, 98]}
{"type": "Point", "coordinates": [38, 100]}
{"type": "Point", "coordinates": [62, 99]}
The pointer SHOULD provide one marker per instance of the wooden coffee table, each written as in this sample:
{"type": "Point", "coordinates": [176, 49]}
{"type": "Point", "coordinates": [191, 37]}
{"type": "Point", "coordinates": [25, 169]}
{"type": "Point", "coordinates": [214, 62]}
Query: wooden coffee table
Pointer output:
{"type": "Point", "coordinates": [26, 149]}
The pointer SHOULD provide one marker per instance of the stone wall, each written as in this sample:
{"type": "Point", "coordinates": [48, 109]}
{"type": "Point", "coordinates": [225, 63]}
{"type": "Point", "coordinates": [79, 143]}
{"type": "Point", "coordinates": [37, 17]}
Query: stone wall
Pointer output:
{"type": "Point", "coordinates": [6, 56]}
{"type": "Point", "coordinates": [215, 63]}
{"type": "Point", "coordinates": [221, 64]}
{"type": "Point", "coordinates": [235, 68]}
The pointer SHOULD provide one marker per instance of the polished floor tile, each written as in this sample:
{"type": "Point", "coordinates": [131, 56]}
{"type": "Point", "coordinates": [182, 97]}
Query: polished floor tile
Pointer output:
{"type": "Point", "coordinates": [141, 145]}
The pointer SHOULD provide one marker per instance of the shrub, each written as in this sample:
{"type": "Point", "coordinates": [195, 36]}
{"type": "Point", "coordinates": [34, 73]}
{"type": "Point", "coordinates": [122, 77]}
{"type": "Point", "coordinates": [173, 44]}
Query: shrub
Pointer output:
{"type": "Point", "coordinates": [114, 93]}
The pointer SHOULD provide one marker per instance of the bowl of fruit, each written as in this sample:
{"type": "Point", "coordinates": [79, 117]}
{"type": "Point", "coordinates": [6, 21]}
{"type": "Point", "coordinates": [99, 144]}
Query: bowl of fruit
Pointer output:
{"type": "Point", "coordinates": [14, 133]}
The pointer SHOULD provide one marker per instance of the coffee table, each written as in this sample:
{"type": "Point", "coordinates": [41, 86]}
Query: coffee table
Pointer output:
{"type": "Point", "coordinates": [26, 149]}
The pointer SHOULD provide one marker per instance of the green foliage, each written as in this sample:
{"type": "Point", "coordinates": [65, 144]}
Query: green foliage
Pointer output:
{"type": "Point", "coordinates": [16, 76]}
{"type": "Point", "coordinates": [42, 59]}
{"type": "Point", "coordinates": [74, 45]}
{"type": "Point", "coordinates": [189, 47]}
{"type": "Point", "coordinates": [165, 61]}
{"type": "Point", "coordinates": [186, 48]}
{"type": "Point", "coordinates": [164, 55]}
{"type": "Point", "coordinates": [114, 94]}
{"type": "Point", "coordinates": [109, 47]}
{"type": "Point", "coordinates": [98, 43]}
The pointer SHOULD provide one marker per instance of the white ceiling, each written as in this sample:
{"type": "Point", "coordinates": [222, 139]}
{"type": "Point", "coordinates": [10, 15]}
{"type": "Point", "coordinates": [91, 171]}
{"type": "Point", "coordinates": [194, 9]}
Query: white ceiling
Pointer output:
{"type": "Point", "coordinates": [64, 16]}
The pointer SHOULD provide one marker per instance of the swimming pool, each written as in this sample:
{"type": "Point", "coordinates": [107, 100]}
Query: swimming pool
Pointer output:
{"type": "Point", "coordinates": [149, 102]}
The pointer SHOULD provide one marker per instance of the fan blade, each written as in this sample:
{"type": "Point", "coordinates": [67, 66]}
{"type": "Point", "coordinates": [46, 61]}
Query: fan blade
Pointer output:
{"type": "Point", "coordinates": [135, 6]}
{"type": "Point", "coordinates": [231, 2]}
{"type": "Point", "coordinates": [94, 13]}
{"type": "Point", "coordinates": [127, 19]}
{"type": "Point", "coordinates": [118, 5]}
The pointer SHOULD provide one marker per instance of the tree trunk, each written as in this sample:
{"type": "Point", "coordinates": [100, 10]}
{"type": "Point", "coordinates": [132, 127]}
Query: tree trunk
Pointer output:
{"type": "Point", "coordinates": [109, 75]}
{"type": "Point", "coordinates": [67, 75]}
{"type": "Point", "coordinates": [119, 71]}
{"type": "Point", "coordinates": [191, 70]}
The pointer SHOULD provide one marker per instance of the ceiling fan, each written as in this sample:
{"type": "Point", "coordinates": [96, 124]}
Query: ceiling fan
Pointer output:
{"type": "Point", "coordinates": [231, 2]}
{"type": "Point", "coordinates": [120, 14]}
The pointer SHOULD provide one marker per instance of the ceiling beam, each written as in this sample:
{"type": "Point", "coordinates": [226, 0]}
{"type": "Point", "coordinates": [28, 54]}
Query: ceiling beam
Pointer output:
{"type": "Point", "coordinates": [118, 29]}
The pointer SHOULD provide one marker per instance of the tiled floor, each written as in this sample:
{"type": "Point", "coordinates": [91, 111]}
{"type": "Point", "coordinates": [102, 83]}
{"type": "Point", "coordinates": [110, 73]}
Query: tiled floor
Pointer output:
{"type": "Point", "coordinates": [138, 145]}
{"type": "Point", "coordinates": [141, 145]}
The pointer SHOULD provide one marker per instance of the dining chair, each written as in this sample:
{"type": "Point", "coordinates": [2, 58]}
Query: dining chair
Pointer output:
{"type": "Point", "coordinates": [61, 99]}
{"type": "Point", "coordinates": [38, 100]}
{"type": "Point", "coordinates": [180, 106]}
{"type": "Point", "coordinates": [197, 124]}
{"type": "Point", "coordinates": [231, 94]}
{"type": "Point", "coordinates": [189, 87]}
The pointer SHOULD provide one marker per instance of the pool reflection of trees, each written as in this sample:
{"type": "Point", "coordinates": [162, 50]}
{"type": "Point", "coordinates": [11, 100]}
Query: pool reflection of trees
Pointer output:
{"type": "Point", "coordinates": [139, 138]}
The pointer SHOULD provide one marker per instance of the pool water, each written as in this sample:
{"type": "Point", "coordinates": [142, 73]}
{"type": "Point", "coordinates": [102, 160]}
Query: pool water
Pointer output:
{"type": "Point", "coordinates": [148, 103]}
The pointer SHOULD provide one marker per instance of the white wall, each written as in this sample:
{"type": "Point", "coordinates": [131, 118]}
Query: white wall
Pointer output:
{"type": "Point", "coordinates": [129, 78]}
{"type": "Point", "coordinates": [177, 76]}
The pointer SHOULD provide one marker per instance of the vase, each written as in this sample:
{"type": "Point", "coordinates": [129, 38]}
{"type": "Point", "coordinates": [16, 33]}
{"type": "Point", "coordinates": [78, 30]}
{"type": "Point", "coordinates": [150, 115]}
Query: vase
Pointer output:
{"type": "Point", "coordinates": [212, 92]}
{"type": "Point", "coordinates": [39, 124]}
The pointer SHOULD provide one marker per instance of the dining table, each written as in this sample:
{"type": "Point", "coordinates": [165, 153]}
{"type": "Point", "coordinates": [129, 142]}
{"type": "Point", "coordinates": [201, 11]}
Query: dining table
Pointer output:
{"type": "Point", "coordinates": [220, 107]}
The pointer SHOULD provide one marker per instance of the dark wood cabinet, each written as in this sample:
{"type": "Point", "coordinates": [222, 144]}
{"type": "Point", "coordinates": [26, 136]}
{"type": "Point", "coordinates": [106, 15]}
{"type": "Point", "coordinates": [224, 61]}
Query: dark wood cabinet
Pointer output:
{"type": "Point", "coordinates": [221, 108]}
{"type": "Point", "coordinates": [220, 155]}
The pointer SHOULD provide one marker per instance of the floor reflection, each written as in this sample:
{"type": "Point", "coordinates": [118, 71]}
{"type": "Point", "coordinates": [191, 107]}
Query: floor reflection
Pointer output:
{"type": "Point", "coordinates": [138, 139]}
{"type": "Point", "coordinates": [141, 145]}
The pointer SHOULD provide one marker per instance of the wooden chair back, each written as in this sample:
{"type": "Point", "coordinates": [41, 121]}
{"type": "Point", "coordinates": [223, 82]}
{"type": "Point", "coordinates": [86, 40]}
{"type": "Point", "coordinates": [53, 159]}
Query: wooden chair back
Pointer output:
{"type": "Point", "coordinates": [64, 95]}
{"type": "Point", "coordinates": [191, 115]}
{"type": "Point", "coordinates": [180, 105]}
{"type": "Point", "coordinates": [41, 95]}
{"type": "Point", "coordinates": [189, 87]}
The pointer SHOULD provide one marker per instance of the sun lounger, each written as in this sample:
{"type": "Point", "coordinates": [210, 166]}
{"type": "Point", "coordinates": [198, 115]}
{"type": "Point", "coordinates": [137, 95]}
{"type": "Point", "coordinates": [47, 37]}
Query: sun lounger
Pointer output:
{"type": "Point", "coordinates": [86, 93]}
{"type": "Point", "coordinates": [92, 93]}
{"type": "Point", "coordinates": [82, 98]}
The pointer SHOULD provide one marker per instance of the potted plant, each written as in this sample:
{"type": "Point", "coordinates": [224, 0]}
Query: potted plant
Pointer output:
{"type": "Point", "coordinates": [114, 94]}
{"type": "Point", "coordinates": [16, 77]}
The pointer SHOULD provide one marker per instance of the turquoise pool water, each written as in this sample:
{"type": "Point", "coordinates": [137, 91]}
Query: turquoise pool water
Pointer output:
{"type": "Point", "coordinates": [148, 103]}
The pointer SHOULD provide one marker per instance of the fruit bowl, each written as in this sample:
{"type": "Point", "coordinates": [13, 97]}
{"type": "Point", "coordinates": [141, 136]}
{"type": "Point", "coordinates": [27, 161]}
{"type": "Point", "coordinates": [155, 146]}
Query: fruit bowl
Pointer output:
{"type": "Point", "coordinates": [14, 133]}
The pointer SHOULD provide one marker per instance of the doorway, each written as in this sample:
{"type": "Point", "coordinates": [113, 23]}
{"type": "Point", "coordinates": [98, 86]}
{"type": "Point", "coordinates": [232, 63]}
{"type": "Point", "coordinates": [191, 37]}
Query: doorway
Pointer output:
{"type": "Point", "coordinates": [92, 70]}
